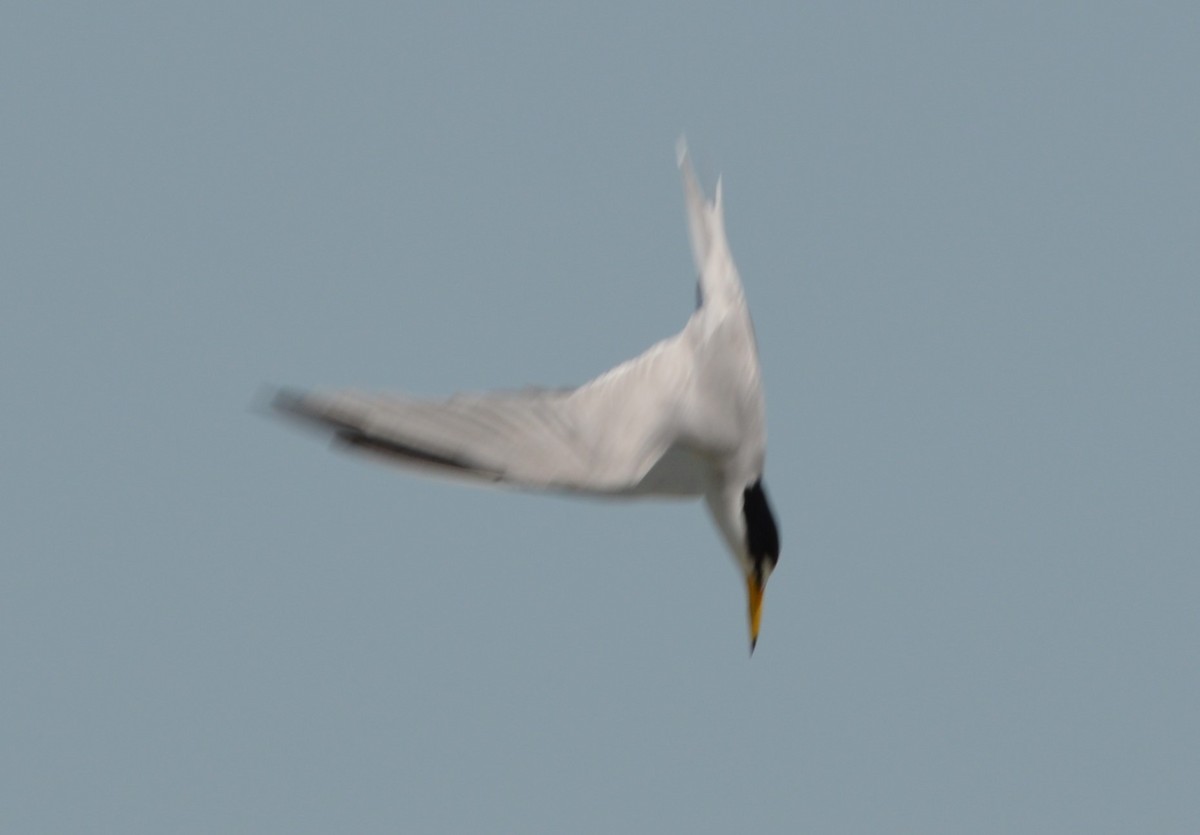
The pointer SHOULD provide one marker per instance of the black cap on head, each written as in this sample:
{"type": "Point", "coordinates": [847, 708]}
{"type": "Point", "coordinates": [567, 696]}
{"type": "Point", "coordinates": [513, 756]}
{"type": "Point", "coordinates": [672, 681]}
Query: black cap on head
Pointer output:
{"type": "Point", "coordinates": [762, 536]}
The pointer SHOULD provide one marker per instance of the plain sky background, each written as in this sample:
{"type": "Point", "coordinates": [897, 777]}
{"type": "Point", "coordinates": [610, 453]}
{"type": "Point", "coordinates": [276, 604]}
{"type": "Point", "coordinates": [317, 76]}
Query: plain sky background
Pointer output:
{"type": "Point", "coordinates": [970, 236]}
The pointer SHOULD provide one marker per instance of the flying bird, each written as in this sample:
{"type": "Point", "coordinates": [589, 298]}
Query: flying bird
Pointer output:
{"type": "Point", "coordinates": [687, 418]}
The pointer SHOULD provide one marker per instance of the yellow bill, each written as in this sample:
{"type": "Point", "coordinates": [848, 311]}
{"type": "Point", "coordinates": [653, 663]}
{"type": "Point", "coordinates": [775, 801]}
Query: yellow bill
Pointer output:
{"type": "Point", "coordinates": [754, 593]}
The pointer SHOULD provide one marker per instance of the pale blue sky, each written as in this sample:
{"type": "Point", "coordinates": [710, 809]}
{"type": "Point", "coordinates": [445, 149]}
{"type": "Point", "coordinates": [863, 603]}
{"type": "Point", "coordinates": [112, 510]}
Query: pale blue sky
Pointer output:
{"type": "Point", "coordinates": [970, 235]}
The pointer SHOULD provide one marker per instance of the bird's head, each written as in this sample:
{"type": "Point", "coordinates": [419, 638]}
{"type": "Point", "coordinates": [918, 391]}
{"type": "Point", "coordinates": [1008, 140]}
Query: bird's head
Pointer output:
{"type": "Point", "coordinates": [761, 551]}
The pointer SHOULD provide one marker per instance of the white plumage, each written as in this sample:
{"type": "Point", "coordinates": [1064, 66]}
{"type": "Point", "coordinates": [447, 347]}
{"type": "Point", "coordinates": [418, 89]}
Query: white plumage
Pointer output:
{"type": "Point", "coordinates": [686, 418]}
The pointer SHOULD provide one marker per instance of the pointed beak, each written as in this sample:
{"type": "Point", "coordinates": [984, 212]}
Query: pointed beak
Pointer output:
{"type": "Point", "coordinates": [754, 595]}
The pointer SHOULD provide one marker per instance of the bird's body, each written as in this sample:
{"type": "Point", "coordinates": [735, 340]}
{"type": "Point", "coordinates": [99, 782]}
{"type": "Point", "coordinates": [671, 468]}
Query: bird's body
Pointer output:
{"type": "Point", "coordinates": [686, 418]}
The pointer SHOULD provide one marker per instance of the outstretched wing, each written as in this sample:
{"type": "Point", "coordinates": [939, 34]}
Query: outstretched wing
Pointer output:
{"type": "Point", "coordinates": [619, 434]}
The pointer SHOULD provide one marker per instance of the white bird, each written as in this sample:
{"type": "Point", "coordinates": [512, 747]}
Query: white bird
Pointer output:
{"type": "Point", "coordinates": [686, 418]}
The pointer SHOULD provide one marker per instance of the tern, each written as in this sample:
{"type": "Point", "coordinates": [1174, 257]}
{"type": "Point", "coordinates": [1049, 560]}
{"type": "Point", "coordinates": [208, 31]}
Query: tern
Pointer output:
{"type": "Point", "coordinates": [687, 418]}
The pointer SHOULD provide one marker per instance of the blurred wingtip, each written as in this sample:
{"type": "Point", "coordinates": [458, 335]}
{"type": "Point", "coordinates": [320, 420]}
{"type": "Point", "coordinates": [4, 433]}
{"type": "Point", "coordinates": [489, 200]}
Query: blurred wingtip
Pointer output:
{"type": "Point", "coordinates": [274, 401]}
{"type": "Point", "coordinates": [286, 400]}
{"type": "Point", "coordinates": [681, 150]}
